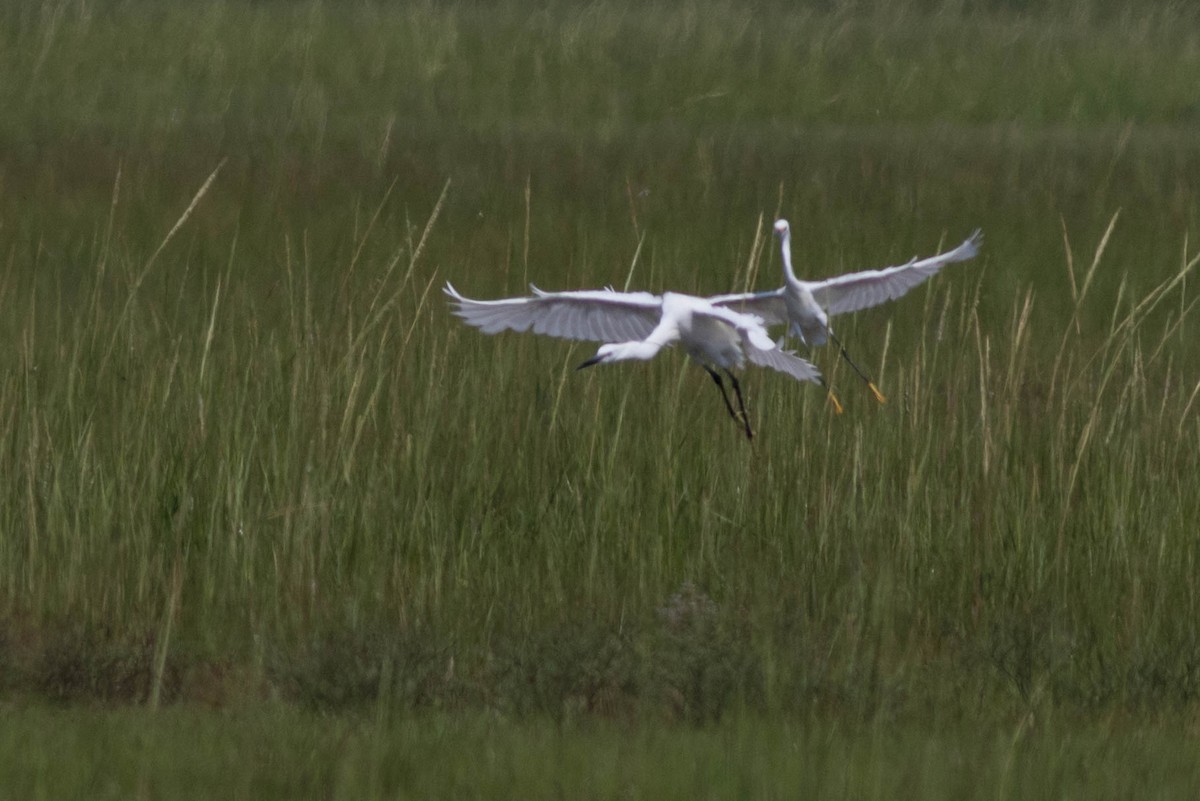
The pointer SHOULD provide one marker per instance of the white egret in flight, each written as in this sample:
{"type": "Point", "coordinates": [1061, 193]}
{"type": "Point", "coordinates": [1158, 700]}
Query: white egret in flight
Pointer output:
{"type": "Point", "coordinates": [806, 306]}
{"type": "Point", "coordinates": [637, 325]}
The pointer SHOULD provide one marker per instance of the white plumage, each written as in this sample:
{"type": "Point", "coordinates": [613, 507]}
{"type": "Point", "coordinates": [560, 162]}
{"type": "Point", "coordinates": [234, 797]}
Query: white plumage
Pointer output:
{"type": "Point", "coordinates": [637, 325]}
{"type": "Point", "coordinates": [806, 306]}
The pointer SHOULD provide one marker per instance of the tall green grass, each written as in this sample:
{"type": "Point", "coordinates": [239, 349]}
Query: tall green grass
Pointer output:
{"type": "Point", "coordinates": [247, 453]}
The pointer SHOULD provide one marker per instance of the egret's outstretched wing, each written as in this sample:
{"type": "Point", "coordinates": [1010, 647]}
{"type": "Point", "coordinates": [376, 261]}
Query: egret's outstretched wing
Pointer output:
{"type": "Point", "coordinates": [595, 315]}
{"type": "Point", "coordinates": [785, 362]}
{"type": "Point", "coordinates": [769, 306]}
{"type": "Point", "coordinates": [862, 290]}
{"type": "Point", "coordinates": [751, 325]}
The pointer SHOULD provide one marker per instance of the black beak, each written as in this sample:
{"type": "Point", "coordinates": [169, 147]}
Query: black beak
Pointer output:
{"type": "Point", "coordinates": [594, 360]}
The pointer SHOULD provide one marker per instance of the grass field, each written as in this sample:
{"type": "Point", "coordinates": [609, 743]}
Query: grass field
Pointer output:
{"type": "Point", "coordinates": [263, 493]}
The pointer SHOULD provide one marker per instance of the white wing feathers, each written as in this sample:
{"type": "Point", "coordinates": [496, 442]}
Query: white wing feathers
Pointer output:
{"type": "Point", "coordinates": [597, 316]}
{"type": "Point", "coordinates": [785, 361]}
{"type": "Point", "coordinates": [862, 290]}
{"type": "Point", "coordinates": [755, 336]}
{"type": "Point", "coordinates": [853, 291]}
{"type": "Point", "coordinates": [769, 306]}
{"type": "Point", "coordinates": [759, 348]}
{"type": "Point", "coordinates": [623, 317]}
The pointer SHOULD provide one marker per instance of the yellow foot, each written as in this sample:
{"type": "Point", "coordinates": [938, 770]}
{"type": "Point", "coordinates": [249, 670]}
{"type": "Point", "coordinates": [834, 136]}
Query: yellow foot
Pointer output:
{"type": "Point", "coordinates": [875, 391]}
{"type": "Point", "coordinates": [837, 405]}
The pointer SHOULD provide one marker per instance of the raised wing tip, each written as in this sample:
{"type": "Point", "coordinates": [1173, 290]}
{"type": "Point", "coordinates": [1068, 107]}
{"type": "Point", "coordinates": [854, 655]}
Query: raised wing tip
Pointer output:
{"type": "Point", "coordinates": [975, 239]}
{"type": "Point", "coordinates": [969, 248]}
{"type": "Point", "coordinates": [451, 291]}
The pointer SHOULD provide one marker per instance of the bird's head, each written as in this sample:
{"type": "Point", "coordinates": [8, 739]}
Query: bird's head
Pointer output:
{"type": "Point", "coordinates": [603, 355]}
{"type": "Point", "coordinates": [781, 228]}
{"type": "Point", "coordinates": [621, 351]}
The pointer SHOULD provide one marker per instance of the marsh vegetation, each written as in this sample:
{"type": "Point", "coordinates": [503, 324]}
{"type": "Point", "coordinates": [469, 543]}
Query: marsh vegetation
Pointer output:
{"type": "Point", "coordinates": [256, 478]}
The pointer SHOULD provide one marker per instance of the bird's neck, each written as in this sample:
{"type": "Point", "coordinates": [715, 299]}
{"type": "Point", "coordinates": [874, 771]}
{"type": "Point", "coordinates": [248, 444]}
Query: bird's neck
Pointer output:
{"type": "Point", "coordinates": [641, 351]}
{"type": "Point", "coordinates": [785, 248]}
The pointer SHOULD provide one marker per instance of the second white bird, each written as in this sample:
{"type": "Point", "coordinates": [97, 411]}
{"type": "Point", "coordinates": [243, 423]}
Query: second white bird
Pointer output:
{"type": "Point", "coordinates": [806, 306]}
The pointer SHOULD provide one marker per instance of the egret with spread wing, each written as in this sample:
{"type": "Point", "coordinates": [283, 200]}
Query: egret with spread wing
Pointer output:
{"type": "Point", "coordinates": [637, 325]}
{"type": "Point", "coordinates": [806, 306]}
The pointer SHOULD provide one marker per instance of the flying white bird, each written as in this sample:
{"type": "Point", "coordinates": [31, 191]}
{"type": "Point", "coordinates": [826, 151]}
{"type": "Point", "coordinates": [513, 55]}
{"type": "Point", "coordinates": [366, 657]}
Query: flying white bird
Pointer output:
{"type": "Point", "coordinates": [806, 306]}
{"type": "Point", "coordinates": [637, 325]}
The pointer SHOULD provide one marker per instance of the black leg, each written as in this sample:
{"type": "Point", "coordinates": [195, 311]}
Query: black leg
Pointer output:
{"type": "Point", "coordinates": [721, 386]}
{"type": "Point", "coordinates": [870, 384]}
{"type": "Point", "coordinates": [737, 390]}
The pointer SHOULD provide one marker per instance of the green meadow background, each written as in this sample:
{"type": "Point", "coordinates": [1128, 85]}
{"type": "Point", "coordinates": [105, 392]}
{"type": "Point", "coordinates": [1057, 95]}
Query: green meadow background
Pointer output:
{"type": "Point", "coordinates": [273, 523]}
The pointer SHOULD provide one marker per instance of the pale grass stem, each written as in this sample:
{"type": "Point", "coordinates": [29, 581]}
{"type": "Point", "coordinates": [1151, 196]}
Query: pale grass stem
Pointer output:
{"type": "Point", "coordinates": [200, 193]}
